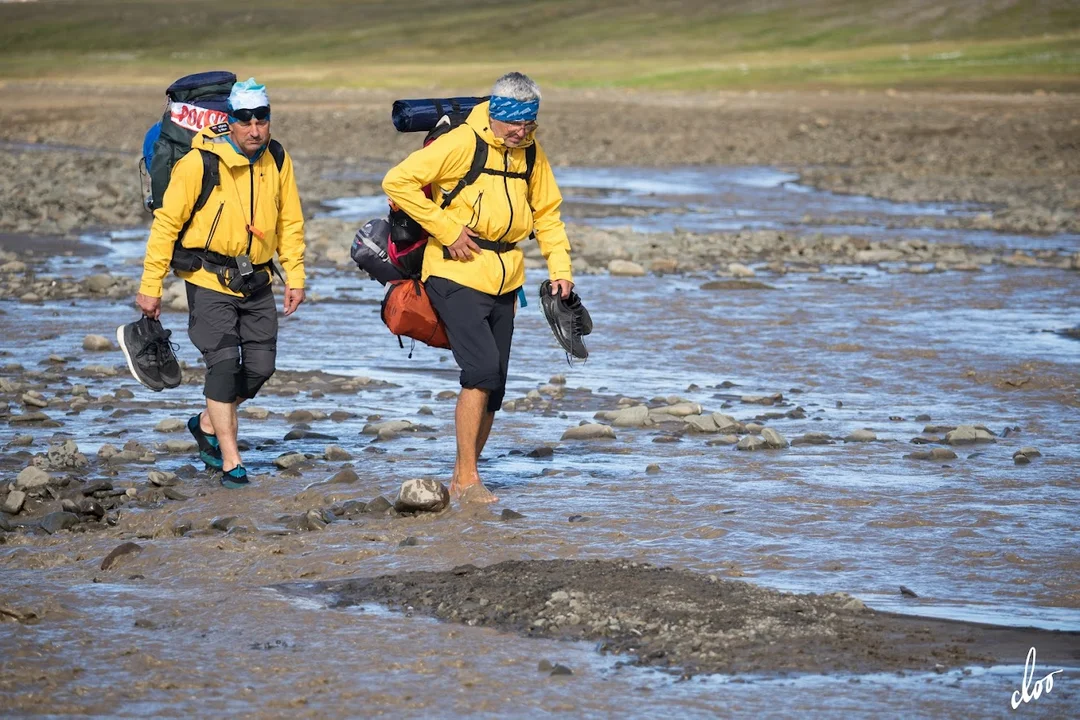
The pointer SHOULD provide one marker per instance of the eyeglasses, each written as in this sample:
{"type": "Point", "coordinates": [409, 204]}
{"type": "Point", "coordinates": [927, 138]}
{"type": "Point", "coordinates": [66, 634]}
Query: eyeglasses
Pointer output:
{"type": "Point", "coordinates": [513, 127]}
{"type": "Point", "coordinates": [244, 115]}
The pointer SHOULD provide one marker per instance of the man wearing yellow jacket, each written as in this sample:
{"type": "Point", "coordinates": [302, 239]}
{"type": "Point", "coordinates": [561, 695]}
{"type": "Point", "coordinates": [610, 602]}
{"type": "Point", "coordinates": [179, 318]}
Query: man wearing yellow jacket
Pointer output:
{"type": "Point", "coordinates": [473, 266]}
{"type": "Point", "coordinates": [225, 258]}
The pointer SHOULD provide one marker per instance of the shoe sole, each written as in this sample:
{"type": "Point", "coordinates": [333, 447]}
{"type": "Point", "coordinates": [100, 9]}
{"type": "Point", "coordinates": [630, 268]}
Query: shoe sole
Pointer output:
{"type": "Point", "coordinates": [130, 363]}
{"type": "Point", "coordinates": [234, 485]}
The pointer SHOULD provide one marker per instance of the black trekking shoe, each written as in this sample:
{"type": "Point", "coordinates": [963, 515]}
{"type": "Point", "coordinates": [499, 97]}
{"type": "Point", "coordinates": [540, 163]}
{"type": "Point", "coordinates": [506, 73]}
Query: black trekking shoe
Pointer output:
{"type": "Point", "coordinates": [141, 344]}
{"type": "Point", "coordinates": [569, 321]}
{"type": "Point", "coordinates": [209, 451]}
{"type": "Point", "coordinates": [167, 362]}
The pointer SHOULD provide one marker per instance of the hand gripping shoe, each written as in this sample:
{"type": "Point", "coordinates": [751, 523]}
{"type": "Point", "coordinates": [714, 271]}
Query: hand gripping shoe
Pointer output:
{"type": "Point", "coordinates": [569, 320]}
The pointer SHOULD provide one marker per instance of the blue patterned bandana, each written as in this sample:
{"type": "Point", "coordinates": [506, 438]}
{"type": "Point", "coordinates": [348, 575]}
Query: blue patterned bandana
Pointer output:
{"type": "Point", "coordinates": [506, 109]}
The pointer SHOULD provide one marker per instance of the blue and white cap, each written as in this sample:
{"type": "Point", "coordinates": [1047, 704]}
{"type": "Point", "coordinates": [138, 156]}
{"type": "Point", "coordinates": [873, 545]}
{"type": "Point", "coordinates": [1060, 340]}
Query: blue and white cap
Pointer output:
{"type": "Point", "coordinates": [248, 95]}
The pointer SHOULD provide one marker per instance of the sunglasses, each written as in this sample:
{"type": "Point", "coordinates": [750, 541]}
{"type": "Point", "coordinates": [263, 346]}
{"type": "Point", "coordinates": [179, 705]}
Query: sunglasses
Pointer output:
{"type": "Point", "coordinates": [514, 127]}
{"type": "Point", "coordinates": [244, 115]}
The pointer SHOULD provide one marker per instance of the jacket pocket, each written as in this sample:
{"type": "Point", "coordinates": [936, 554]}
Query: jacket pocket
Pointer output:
{"type": "Point", "coordinates": [213, 226]}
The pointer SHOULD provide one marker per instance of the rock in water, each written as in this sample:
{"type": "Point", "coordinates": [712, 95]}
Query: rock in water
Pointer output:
{"type": "Point", "coordinates": [590, 431]}
{"type": "Point", "coordinates": [625, 268]}
{"type": "Point", "coordinates": [773, 438]}
{"type": "Point", "coordinates": [56, 521]}
{"type": "Point", "coordinates": [96, 343]}
{"type": "Point", "coordinates": [861, 436]}
{"type": "Point", "coordinates": [31, 477]}
{"type": "Point", "coordinates": [14, 502]}
{"type": "Point", "coordinates": [752, 442]}
{"type": "Point", "coordinates": [422, 495]}
{"type": "Point", "coordinates": [118, 552]}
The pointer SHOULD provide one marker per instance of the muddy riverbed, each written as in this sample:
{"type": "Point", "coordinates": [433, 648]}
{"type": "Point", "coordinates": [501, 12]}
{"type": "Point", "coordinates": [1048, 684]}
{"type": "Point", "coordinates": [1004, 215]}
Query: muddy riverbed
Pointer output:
{"type": "Point", "coordinates": [807, 391]}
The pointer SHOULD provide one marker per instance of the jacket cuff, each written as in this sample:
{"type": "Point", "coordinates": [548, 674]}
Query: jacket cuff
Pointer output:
{"type": "Point", "coordinates": [150, 288]}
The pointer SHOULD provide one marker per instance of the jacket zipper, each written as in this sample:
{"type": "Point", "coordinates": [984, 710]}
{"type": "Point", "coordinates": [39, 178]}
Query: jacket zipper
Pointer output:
{"type": "Point", "coordinates": [510, 204]}
{"type": "Point", "coordinates": [251, 205]}
{"type": "Point", "coordinates": [213, 226]}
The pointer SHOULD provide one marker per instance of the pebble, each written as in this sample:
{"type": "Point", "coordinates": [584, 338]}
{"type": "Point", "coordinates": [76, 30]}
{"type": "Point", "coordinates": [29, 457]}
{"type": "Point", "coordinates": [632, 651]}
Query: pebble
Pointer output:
{"type": "Point", "coordinates": [652, 469]}
{"type": "Point", "coordinates": [812, 438]}
{"type": "Point", "coordinates": [740, 271]}
{"type": "Point", "coordinates": [21, 441]}
{"type": "Point", "coordinates": [28, 418]}
{"type": "Point", "coordinates": [508, 514]}
{"type": "Point", "coordinates": [55, 522]}
{"type": "Point", "coordinates": [180, 446]}
{"type": "Point", "coordinates": [335, 453]}
{"type": "Point", "coordinates": [541, 452]}
{"type": "Point", "coordinates": [589, 431]}
{"type": "Point", "coordinates": [13, 503]}
{"type": "Point", "coordinates": [425, 410]}
{"type": "Point", "coordinates": [390, 426]}
{"type": "Point", "coordinates": [100, 282]}
{"type": "Point", "coordinates": [169, 425]}
{"type": "Point", "coordinates": [907, 592]}
{"type": "Point", "coordinates": [410, 541]}
{"type": "Point", "coordinates": [34, 399]}
{"type": "Point", "coordinates": [561, 670]}
{"type": "Point", "coordinates": [161, 478]}
{"type": "Point", "coordinates": [625, 268]}
{"type": "Point", "coordinates": [118, 552]}
{"type": "Point", "coordinates": [969, 435]}
{"type": "Point", "coordinates": [577, 518]}
{"type": "Point", "coordinates": [97, 343]}
{"type": "Point", "coordinates": [752, 442]}
{"type": "Point", "coordinates": [256, 413]}
{"type": "Point", "coordinates": [378, 506]}
{"type": "Point", "coordinates": [31, 478]}
{"type": "Point", "coordinates": [299, 416]}
{"type": "Point", "coordinates": [861, 436]}
{"type": "Point", "coordinates": [174, 494]}
{"type": "Point", "coordinates": [774, 439]}
{"type": "Point", "coordinates": [422, 495]}
{"type": "Point", "coordinates": [289, 460]}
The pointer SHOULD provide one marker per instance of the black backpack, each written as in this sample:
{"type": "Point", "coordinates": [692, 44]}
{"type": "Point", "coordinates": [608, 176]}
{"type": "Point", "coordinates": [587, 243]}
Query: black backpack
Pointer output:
{"type": "Point", "coordinates": [438, 117]}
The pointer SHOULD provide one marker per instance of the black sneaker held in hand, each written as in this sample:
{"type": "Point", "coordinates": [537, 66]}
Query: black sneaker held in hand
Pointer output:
{"type": "Point", "coordinates": [149, 353]}
{"type": "Point", "coordinates": [569, 320]}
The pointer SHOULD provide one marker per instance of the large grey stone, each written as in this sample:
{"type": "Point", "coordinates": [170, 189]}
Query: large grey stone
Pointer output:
{"type": "Point", "coordinates": [31, 478]}
{"type": "Point", "coordinates": [625, 268]}
{"type": "Point", "coordinates": [66, 455]}
{"type": "Point", "coordinates": [422, 495]}
{"type": "Point", "coordinates": [290, 460]}
{"type": "Point", "coordinates": [636, 416]}
{"type": "Point", "coordinates": [590, 431]}
{"type": "Point", "coordinates": [752, 442]}
{"type": "Point", "coordinates": [969, 435]}
{"type": "Point", "coordinates": [774, 439]}
{"type": "Point", "coordinates": [14, 502]}
{"type": "Point", "coordinates": [97, 343]}
{"type": "Point", "coordinates": [56, 521]}
{"type": "Point", "coordinates": [390, 426]}
{"type": "Point", "coordinates": [861, 436]}
{"type": "Point", "coordinates": [170, 425]}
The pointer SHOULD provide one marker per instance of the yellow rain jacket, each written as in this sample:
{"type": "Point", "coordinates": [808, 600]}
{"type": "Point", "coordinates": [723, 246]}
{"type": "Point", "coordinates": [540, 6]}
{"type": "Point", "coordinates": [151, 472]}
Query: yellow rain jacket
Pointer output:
{"type": "Point", "coordinates": [221, 225]}
{"type": "Point", "coordinates": [497, 208]}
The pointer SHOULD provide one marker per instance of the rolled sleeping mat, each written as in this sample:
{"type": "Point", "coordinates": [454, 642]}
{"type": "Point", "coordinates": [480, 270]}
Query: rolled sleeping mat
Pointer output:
{"type": "Point", "coordinates": [422, 115]}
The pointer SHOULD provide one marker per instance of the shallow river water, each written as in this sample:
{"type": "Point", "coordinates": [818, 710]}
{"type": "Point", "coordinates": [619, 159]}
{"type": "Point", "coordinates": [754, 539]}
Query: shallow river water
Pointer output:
{"type": "Point", "coordinates": [977, 538]}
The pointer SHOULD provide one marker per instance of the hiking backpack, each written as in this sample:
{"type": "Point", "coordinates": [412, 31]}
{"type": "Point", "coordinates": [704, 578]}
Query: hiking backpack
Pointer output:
{"type": "Point", "coordinates": [437, 117]}
{"type": "Point", "coordinates": [192, 103]}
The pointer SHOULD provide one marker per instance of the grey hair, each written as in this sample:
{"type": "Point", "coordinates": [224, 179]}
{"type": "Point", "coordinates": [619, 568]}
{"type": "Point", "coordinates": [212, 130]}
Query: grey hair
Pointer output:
{"type": "Point", "coordinates": [518, 86]}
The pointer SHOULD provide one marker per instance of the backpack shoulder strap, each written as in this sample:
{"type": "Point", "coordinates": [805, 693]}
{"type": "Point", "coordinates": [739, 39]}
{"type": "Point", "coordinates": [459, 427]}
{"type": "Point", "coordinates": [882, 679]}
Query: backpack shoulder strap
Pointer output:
{"type": "Point", "coordinates": [530, 161]}
{"type": "Point", "coordinates": [211, 178]}
{"type": "Point", "coordinates": [478, 162]}
{"type": "Point", "coordinates": [277, 152]}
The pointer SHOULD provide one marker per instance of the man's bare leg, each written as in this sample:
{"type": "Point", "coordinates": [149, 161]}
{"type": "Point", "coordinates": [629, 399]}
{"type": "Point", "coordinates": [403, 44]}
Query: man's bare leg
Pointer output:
{"type": "Point", "coordinates": [470, 418]}
{"type": "Point", "coordinates": [221, 417]}
{"type": "Point", "coordinates": [485, 429]}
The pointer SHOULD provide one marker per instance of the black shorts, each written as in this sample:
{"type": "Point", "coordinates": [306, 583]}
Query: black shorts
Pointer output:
{"type": "Point", "coordinates": [237, 337]}
{"type": "Point", "coordinates": [480, 328]}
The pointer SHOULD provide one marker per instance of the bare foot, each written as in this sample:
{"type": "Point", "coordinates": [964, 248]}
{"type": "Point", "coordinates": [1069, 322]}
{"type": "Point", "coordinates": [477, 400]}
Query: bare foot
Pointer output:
{"type": "Point", "coordinates": [476, 494]}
